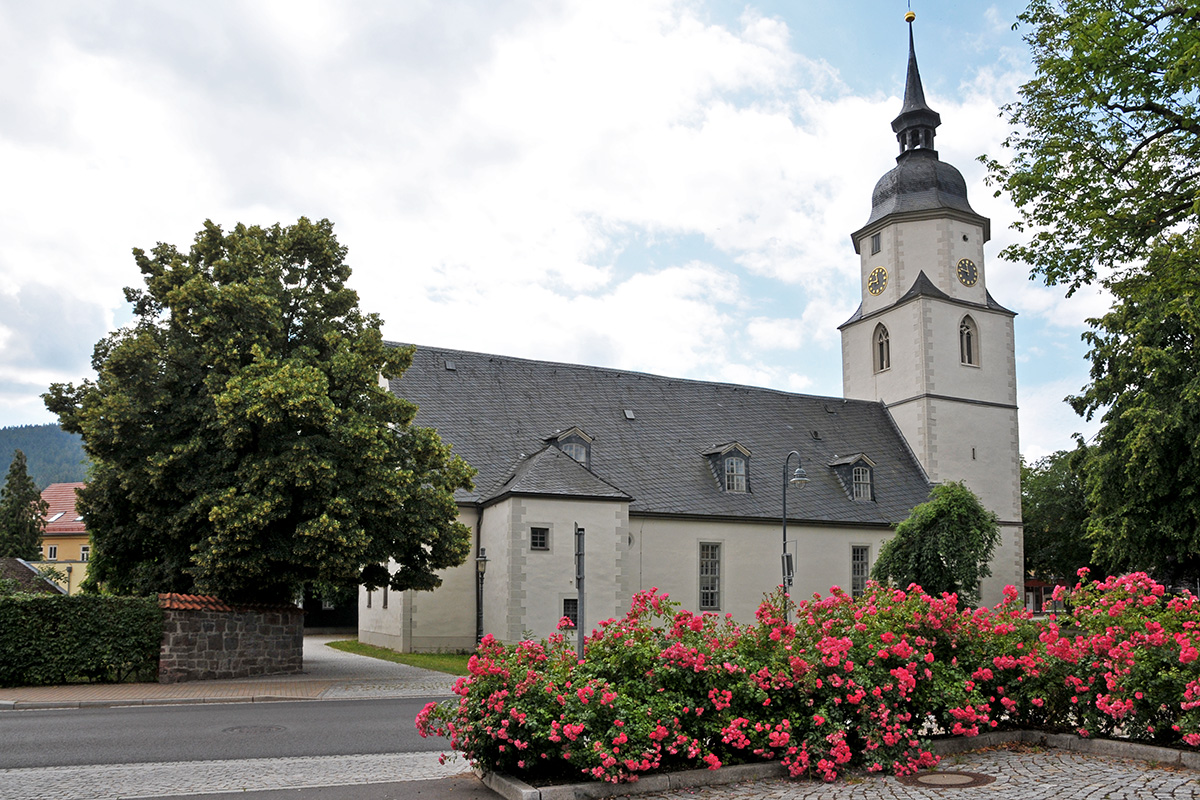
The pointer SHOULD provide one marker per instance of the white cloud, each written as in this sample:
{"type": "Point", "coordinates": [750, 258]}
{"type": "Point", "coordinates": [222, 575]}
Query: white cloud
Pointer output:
{"type": "Point", "coordinates": [1047, 422]}
{"type": "Point", "coordinates": [633, 184]}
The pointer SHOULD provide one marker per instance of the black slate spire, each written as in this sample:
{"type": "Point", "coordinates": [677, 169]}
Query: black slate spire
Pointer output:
{"type": "Point", "coordinates": [917, 121]}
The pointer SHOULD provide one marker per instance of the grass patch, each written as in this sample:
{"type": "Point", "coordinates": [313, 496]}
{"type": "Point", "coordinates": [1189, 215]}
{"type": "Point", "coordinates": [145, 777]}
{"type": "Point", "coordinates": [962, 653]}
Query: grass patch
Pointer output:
{"type": "Point", "coordinates": [452, 663]}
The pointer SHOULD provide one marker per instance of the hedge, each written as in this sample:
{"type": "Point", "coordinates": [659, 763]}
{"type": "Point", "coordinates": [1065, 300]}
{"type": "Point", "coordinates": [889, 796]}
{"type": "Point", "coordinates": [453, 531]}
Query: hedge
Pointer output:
{"type": "Point", "coordinates": [54, 639]}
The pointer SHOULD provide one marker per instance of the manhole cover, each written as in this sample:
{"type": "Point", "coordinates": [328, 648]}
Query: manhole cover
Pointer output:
{"type": "Point", "coordinates": [254, 729]}
{"type": "Point", "coordinates": [946, 780]}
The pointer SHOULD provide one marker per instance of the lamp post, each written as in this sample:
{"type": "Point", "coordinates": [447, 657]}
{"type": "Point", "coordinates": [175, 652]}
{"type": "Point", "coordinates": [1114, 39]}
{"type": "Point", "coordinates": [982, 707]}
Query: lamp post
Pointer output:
{"type": "Point", "coordinates": [798, 478]}
{"type": "Point", "coordinates": [480, 568]}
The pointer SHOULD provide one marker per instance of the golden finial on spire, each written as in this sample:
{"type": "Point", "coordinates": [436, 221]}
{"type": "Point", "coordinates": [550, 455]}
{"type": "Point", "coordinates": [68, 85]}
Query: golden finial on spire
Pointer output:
{"type": "Point", "coordinates": [909, 17]}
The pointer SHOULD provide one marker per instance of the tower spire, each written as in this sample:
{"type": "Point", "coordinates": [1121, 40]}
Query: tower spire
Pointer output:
{"type": "Point", "coordinates": [917, 122]}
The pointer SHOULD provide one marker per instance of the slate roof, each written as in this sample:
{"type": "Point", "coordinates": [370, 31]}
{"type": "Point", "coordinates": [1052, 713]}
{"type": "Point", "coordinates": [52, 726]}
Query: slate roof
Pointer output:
{"type": "Point", "coordinates": [27, 577]}
{"type": "Point", "coordinates": [553, 472]}
{"type": "Point", "coordinates": [60, 499]}
{"type": "Point", "coordinates": [923, 287]}
{"type": "Point", "coordinates": [497, 412]}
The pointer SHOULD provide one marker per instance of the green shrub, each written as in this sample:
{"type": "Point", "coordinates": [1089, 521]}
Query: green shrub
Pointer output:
{"type": "Point", "coordinates": [55, 639]}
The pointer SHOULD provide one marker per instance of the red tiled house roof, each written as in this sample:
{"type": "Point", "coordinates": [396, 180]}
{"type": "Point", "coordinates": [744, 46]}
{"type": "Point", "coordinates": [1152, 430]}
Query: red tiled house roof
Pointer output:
{"type": "Point", "coordinates": [62, 518]}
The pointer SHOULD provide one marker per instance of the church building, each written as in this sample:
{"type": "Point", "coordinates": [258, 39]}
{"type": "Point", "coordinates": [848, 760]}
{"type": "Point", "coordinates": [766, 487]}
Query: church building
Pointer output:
{"type": "Point", "coordinates": [682, 485]}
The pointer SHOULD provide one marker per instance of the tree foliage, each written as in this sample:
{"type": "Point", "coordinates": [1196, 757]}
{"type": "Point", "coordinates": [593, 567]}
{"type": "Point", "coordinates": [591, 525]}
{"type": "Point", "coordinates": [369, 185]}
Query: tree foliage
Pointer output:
{"type": "Point", "coordinates": [1142, 474]}
{"type": "Point", "coordinates": [1055, 514]}
{"type": "Point", "coordinates": [1106, 151]}
{"type": "Point", "coordinates": [944, 545]}
{"type": "Point", "coordinates": [51, 454]}
{"type": "Point", "coordinates": [241, 443]}
{"type": "Point", "coordinates": [22, 513]}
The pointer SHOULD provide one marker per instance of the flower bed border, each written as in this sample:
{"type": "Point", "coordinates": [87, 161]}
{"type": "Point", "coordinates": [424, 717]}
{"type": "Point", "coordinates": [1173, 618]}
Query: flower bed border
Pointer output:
{"type": "Point", "coordinates": [512, 788]}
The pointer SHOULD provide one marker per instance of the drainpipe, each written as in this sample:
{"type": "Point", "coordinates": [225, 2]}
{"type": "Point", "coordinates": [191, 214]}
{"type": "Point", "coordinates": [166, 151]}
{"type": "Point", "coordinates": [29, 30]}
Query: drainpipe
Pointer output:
{"type": "Point", "coordinates": [475, 578]}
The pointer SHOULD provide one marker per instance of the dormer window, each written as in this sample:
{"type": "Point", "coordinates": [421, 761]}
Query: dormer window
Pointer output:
{"type": "Point", "coordinates": [857, 475]}
{"type": "Point", "coordinates": [575, 450]}
{"type": "Point", "coordinates": [575, 443]}
{"type": "Point", "coordinates": [735, 474]}
{"type": "Point", "coordinates": [730, 464]}
{"type": "Point", "coordinates": [862, 483]}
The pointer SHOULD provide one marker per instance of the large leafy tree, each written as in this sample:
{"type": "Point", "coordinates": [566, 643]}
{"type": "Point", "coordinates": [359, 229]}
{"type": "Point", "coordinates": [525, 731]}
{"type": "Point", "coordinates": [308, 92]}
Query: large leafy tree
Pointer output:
{"type": "Point", "coordinates": [1142, 474]}
{"type": "Point", "coordinates": [22, 513]}
{"type": "Point", "coordinates": [1055, 516]}
{"type": "Point", "coordinates": [1105, 156]}
{"type": "Point", "coordinates": [1105, 171]}
{"type": "Point", "coordinates": [241, 443]}
{"type": "Point", "coordinates": [945, 545]}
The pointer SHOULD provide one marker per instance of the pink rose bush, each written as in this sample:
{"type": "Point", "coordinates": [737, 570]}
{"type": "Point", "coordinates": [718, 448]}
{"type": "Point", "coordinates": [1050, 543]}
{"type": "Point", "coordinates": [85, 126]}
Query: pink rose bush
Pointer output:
{"type": "Point", "coordinates": [826, 685]}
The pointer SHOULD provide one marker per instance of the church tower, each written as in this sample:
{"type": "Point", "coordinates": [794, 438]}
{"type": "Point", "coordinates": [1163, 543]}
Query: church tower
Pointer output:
{"type": "Point", "coordinates": [928, 339]}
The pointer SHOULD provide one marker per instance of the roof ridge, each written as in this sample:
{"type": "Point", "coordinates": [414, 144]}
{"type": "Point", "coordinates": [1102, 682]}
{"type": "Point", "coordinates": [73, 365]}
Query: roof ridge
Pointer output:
{"type": "Point", "coordinates": [615, 370]}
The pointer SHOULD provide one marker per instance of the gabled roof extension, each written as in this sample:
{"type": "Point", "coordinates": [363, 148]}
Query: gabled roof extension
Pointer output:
{"type": "Point", "coordinates": [552, 472]}
{"type": "Point", "coordinates": [495, 410]}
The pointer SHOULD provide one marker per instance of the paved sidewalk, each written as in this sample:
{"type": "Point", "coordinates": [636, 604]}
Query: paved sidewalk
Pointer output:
{"type": "Point", "coordinates": [328, 675]}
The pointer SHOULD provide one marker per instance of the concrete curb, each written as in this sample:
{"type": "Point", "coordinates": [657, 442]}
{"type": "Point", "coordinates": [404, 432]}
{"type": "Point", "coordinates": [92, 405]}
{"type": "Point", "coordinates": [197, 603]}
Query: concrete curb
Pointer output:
{"type": "Point", "coordinates": [43, 705]}
{"type": "Point", "coordinates": [512, 788]}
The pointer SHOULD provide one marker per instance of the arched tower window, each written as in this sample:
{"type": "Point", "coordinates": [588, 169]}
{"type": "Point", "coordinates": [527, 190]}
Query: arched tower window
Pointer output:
{"type": "Point", "coordinates": [882, 348]}
{"type": "Point", "coordinates": [968, 342]}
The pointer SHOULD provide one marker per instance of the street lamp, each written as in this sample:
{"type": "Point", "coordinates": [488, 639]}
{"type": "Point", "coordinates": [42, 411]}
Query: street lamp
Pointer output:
{"type": "Point", "coordinates": [797, 478]}
{"type": "Point", "coordinates": [480, 568]}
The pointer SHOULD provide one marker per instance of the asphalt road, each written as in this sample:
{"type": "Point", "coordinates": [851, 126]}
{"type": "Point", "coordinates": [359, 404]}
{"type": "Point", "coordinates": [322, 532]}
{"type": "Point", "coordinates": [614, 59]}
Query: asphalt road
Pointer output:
{"type": "Point", "coordinates": [148, 734]}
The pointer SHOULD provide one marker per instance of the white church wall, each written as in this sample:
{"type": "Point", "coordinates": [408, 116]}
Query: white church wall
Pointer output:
{"type": "Point", "coordinates": [525, 587]}
{"type": "Point", "coordinates": [439, 621]}
{"type": "Point", "coordinates": [667, 555]}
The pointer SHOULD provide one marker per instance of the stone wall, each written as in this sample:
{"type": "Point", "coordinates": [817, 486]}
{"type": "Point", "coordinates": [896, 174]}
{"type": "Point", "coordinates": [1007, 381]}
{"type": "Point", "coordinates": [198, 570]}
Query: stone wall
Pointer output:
{"type": "Point", "coordinates": [206, 639]}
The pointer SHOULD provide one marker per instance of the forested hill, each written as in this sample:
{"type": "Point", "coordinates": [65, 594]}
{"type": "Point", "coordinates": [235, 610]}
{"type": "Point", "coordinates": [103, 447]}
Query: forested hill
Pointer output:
{"type": "Point", "coordinates": [52, 455]}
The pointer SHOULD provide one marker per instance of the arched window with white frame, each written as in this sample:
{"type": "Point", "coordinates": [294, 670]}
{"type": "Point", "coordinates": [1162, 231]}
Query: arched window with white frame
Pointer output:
{"type": "Point", "coordinates": [881, 348]}
{"type": "Point", "coordinates": [968, 342]}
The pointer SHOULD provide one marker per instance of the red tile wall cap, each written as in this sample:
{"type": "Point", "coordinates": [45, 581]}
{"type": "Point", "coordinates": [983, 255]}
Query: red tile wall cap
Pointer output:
{"type": "Point", "coordinates": [200, 602]}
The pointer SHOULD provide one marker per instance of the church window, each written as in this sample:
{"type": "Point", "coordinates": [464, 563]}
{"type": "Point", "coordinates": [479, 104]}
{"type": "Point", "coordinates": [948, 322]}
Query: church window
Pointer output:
{"type": "Point", "coordinates": [735, 474]}
{"type": "Point", "coordinates": [968, 342]}
{"type": "Point", "coordinates": [862, 483]}
{"type": "Point", "coordinates": [710, 576]}
{"type": "Point", "coordinates": [882, 348]}
{"type": "Point", "coordinates": [876, 243]}
{"type": "Point", "coordinates": [539, 538]}
{"type": "Point", "coordinates": [860, 569]}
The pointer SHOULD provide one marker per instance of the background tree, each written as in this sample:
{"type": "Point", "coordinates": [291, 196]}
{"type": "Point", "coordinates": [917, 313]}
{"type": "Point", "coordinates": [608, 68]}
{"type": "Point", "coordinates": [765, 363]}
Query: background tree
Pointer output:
{"type": "Point", "coordinates": [944, 545]}
{"type": "Point", "coordinates": [1105, 171]}
{"type": "Point", "coordinates": [1055, 515]}
{"type": "Point", "coordinates": [51, 454]}
{"type": "Point", "coordinates": [1106, 147]}
{"type": "Point", "coordinates": [1142, 474]}
{"type": "Point", "coordinates": [22, 513]}
{"type": "Point", "coordinates": [241, 444]}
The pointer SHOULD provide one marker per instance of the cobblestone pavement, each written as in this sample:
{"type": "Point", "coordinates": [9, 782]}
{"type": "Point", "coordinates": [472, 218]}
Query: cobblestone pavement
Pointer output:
{"type": "Point", "coordinates": [1020, 774]}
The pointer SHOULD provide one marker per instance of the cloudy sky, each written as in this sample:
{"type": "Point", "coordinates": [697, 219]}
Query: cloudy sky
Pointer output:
{"type": "Point", "coordinates": [657, 185]}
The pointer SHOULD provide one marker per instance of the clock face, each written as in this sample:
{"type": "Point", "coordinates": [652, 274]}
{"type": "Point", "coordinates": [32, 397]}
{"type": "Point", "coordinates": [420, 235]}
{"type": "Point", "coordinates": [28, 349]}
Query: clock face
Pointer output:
{"type": "Point", "coordinates": [877, 281]}
{"type": "Point", "coordinates": [968, 273]}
